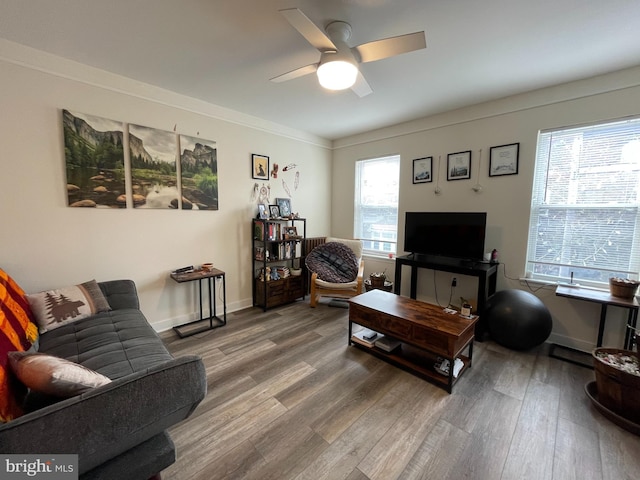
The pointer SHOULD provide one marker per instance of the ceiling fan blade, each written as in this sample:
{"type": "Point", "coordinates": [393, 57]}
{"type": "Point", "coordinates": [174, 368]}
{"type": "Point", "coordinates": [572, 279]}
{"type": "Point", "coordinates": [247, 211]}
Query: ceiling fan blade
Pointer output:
{"type": "Point", "coordinates": [389, 47]}
{"type": "Point", "coordinates": [308, 29]}
{"type": "Point", "coordinates": [298, 72]}
{"type": "Point", "coordinates": [361, 87]}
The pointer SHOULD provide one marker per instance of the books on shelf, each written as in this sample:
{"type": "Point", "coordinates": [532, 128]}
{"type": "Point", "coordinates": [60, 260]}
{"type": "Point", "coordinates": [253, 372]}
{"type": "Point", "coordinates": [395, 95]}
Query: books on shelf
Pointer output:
{"type": "Point", "coordinates": [388, 344]}
{"type": "Point", "coordinates": [442, 366]}
{"type": "Point", "coordinates": [366, 337]}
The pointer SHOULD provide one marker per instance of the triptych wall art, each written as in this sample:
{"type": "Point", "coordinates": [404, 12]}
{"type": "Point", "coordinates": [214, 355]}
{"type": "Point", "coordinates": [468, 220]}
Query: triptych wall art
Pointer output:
{"type": "Point", "coordinates": [503, 160]}
{"type": "Point", "coordinates": [166, 170]}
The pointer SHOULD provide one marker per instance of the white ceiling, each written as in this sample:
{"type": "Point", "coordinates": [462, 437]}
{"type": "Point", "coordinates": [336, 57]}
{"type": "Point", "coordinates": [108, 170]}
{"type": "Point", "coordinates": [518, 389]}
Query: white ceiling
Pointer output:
{"type": "Point", "coordinates": [225, 51]}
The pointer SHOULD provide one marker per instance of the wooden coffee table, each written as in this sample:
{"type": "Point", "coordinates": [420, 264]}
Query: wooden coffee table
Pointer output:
{"type": "Point", "coordinates": [425, 330]}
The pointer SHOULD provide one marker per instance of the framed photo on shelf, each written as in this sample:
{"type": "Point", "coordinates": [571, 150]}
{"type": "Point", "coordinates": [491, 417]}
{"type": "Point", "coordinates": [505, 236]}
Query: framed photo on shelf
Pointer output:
{"type": "Point", "coordinates": [274, 211]}
{"type": "Point", "coordinates": [459, 165]}
{"type": "Point", "coordinates": [422, 170]}
{"type": "Point", "coordinates": [284, 204]}
{"type": "Point", "coordinates": [290, 233]}
{"type": "Point", "coordinates": [259, 167]}
{"type": "Point", "coordinates": [503, 160]}
{"type": "Point", "coordinates": [262, 212]}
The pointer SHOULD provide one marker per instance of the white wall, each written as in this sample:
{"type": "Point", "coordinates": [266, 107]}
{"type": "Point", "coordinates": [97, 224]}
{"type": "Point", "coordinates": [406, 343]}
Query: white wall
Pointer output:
{"type": "Point", "coordinates": [505, 199]}
{"type": "Point", "coordinates": [45, 244]}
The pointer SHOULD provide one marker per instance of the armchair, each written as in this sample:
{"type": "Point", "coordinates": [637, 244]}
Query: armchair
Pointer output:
{"type": "Point", "coordinates": [340, 264]}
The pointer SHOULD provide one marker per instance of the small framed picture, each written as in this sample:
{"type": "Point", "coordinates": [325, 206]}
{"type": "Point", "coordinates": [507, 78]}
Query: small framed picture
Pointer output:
{"type": "Point", "coordinates": [262, 212]}
{"type": "Point", "coordinates": [503, 160]}
{"type": "Point", "coordinates": [274, 211]}
{"type": "Point", "coordinates": [422, 170]}
{"type": "Point", "coordinates": [459, 165]}
{"type": "Point", "coordinates": [259, 167]}
{"type": "Point", "coordinates": [290, 233]}
{"type": "Point", "coordinates": [285, 206]}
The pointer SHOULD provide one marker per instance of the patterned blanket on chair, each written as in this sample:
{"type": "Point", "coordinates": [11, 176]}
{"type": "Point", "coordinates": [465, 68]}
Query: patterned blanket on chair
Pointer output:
{"type": "Point", "coordinates": [334, 262]}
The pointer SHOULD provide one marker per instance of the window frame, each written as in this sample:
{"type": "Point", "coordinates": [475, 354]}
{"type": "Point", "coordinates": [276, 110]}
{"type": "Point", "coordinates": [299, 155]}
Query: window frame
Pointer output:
{"type": "Point", "coordinates": [540, 204]}
{"type": "Point", "coordinates": [357, 220]}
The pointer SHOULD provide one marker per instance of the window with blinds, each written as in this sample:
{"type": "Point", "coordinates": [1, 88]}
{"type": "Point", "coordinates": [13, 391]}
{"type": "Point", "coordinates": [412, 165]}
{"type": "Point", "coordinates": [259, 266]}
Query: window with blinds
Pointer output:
{"type": "Point", "coordinates": [584, 210]}
{"type": "Point", "coordinates": [376, 204]}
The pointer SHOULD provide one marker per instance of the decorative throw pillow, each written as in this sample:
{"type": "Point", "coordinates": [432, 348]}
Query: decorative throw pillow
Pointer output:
{"type": "Point", "coordinates": [55, 308]}
{"type": "Point", "coordinates": [334, 262]}
{"type": "Point", "coordinates": [17, 333]}
{"type": "Point", "coordinates": [54, 376]}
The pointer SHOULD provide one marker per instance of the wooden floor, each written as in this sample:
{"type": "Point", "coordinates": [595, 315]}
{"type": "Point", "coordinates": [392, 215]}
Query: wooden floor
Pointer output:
{"type": "Point", "coordinates": [289, 399]}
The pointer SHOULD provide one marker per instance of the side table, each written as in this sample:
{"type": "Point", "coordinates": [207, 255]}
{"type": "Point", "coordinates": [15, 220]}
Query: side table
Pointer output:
{"type": "Point", "coordinates": [214, 321]}
{"type": "Point", "coordinates": [605, 299]}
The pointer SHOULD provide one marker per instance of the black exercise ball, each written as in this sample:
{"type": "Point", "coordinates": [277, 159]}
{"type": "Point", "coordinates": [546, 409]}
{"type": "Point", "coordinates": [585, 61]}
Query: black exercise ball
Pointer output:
{"type": "Point", "coordinates": [517, 319]}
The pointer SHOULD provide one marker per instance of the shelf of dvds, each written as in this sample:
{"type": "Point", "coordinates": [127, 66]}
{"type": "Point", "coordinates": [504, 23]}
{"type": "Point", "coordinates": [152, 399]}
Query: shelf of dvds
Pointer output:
{"type": "Point", "coordinates": [278, 257]}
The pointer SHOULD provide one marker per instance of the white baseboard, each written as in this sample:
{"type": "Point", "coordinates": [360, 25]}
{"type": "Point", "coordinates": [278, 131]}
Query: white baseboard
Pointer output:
{"type": "Point", "coordinates": [169, 323]}
{"type": "Point", "coordinates": [574, 343]}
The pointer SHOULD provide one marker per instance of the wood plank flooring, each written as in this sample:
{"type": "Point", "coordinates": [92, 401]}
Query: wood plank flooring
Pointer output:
{"type": "Point", "coordinates": [288, 399]}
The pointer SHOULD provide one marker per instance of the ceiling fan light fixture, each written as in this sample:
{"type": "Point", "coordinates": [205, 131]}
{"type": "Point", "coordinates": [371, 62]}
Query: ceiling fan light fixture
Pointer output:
{"type": "Point", "coordinates": [337, 74]}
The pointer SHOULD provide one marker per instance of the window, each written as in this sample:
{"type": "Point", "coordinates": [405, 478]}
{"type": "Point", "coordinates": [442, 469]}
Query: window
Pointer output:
{"type": "Point", "coordinates": [584, 211]}
{"type": "Point", "coordinates": [376, 204]}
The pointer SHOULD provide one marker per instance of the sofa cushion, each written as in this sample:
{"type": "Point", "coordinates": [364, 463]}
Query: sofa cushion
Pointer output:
{"type": "Point", "coordinates": [54, 376]}
{"type": "Point", "coordinates": [333, 262]}
{"type": "Point", "coordinates": [17, 333]}
{"type": "Point", "coordinates": [115, 343]}
{"type": "Point", "coordinates": [53, 308]}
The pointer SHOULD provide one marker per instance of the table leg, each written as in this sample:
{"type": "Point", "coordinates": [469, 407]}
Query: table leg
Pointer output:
{"type": "Point", "coordinates": [397, 278]}
{"type": "Point", "coordinates": [632, 319]}
{"type": "Point", "coordinates": [350, 330]}
{"type": "Point", "coordinates": [414, 282]}
{"type": "Point", "coordinates": [224, 298]}
{"type": "Point", "coordinates": [603, 318]}
{"type": "Point", "coordinates": [452, 362]}
{"type": "Point", "coordinates": [200, 297]}
{"type": "Point", "coordinates": [212, 293]}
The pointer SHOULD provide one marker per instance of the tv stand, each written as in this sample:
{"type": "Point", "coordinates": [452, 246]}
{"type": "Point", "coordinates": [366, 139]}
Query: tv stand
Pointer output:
{"type": "Point", "coordinates": [487, 274]}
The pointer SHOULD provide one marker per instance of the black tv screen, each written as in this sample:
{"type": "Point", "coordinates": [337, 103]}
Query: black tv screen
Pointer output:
{"type": "Point", "coordinates": [448, 234]}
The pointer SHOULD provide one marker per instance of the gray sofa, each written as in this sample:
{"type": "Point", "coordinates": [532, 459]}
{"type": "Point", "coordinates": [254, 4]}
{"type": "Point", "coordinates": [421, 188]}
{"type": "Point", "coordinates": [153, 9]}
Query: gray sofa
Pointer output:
{"type": "Point", "coordinates": [118, 430]}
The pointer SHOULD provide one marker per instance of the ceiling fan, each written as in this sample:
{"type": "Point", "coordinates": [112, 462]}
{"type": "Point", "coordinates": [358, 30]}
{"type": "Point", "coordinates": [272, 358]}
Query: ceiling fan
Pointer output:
{"type": "Point", "coordinates": [338, 65]}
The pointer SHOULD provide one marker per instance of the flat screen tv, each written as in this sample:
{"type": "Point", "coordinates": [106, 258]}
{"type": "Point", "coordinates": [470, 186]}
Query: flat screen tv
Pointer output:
{"type": "Point", "coordinates": [446, 234]}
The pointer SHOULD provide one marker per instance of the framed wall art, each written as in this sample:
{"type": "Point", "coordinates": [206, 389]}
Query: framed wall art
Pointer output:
{"type": "Point", "coordinates": [154, 175]}
{"type": "Point", "coordinates": [459, 165]}
{"type": "Point", "coordinates": [503, 160]}
{"type": "Point", "coordinates": [94, 160]}
{"type": "Point", "coordinates": [199, 173]}
{"type": "Point", "coordinates": [423, 170]}
{"type": "Point", "coordinates": [259, 167]}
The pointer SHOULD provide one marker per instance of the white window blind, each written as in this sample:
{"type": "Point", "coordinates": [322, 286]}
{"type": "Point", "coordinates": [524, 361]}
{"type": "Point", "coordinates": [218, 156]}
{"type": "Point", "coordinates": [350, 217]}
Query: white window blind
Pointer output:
{"type": "Point", "coordinates": [376, 204]}
{"type": "Point", "coordinates": [584, 211]}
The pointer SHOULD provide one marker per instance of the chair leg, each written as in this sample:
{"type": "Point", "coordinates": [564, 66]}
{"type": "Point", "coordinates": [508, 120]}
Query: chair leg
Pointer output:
{"type": "Point", "coordinates": [313, 300]}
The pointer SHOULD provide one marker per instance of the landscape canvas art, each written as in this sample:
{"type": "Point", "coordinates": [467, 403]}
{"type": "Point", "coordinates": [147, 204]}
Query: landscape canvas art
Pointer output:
{"type": "Point", "coordinates": [154, 178]}
{"type": "Point", "coordinates": [94, 159]}
{"type": "Point", "coordinates": [199, 173]}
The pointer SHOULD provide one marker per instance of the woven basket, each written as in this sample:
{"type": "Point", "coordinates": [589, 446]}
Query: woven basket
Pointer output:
{"type": "Point", "coordinates": [377, 280]}
{"type": "Point", "coordinates": [623, 288]}
{"type": "Point", "coordinates": [619, 391]}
